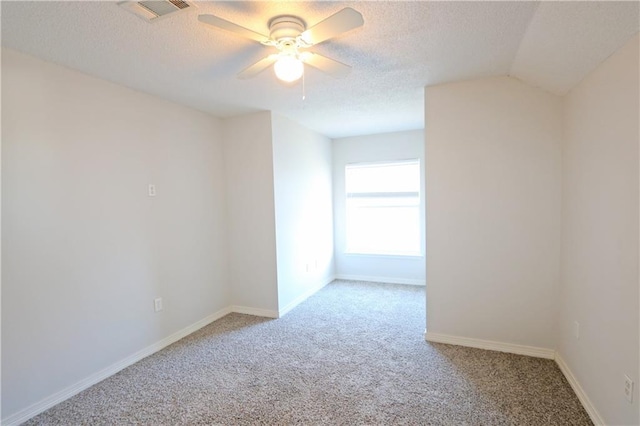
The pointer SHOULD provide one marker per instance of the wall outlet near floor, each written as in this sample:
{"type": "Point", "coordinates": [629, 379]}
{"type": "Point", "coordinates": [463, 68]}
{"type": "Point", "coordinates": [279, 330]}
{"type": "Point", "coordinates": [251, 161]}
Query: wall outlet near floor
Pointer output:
{"type": "Point", "coordinates": [628, 388]}
{"type": "Point", "coordinates": [576, 329]}
{"type": "Point", "coordinates": [157, 304]}
{"type": "Point", "coordinates": [152, 190]}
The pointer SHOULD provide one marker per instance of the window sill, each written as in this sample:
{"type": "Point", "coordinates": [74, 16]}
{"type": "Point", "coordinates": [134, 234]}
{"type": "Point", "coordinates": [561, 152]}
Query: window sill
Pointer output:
{"type": "Point", "coordinates": [386, 256]}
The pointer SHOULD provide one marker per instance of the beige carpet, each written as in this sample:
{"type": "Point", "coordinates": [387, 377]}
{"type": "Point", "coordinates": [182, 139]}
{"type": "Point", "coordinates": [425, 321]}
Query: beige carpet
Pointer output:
{"type": "Point", "coordinates": [352, 354]}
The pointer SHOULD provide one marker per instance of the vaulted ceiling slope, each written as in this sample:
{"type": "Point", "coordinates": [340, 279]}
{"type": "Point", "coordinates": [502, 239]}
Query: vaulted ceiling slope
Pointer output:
{"type": "Point", "coordinates": [402, 47]}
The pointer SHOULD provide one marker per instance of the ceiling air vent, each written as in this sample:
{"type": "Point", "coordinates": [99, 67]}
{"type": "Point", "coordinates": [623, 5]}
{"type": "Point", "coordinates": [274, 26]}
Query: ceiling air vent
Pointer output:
{"type": "Point", "coordinates": [154, 10]}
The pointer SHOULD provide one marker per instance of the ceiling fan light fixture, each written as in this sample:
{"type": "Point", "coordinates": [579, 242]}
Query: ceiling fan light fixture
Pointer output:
{"type": "Point", "coordinates": [288, 68]}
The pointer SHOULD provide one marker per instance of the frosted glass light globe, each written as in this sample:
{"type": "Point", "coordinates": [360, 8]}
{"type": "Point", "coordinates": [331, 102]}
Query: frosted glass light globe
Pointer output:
{"type": "Point", "coordinates": [288, 68]}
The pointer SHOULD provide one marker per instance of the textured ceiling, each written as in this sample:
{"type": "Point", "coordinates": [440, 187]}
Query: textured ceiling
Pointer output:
{"type": "Point", "coordinates": [566, 40]}
{"type": "Point", "coordinates": [402, 47]}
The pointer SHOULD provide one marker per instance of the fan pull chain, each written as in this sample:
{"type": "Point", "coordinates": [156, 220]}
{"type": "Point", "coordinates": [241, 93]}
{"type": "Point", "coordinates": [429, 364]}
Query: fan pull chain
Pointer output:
{"type": "Point", "coordinates": [304, 96]}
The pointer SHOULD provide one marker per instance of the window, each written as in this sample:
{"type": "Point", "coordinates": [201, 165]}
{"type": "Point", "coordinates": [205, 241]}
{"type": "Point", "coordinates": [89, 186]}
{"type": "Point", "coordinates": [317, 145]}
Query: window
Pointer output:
{"type": "Point", "coordinates": [383, 208]}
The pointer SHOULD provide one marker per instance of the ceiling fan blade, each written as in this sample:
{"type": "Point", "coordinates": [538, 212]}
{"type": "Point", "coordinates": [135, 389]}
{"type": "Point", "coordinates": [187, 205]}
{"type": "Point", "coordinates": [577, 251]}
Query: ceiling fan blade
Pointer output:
{"type": "Point", "coordinates": [336, 24]}
{"type": "Point", "coordinates": [234, 28]}
{"type": "Point", "coordinates": [258, 67]}
{"type": "Point", "coordinates": [326, 65]}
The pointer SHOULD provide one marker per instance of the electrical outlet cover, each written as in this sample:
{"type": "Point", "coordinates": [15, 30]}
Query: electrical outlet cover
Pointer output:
{"type": "Point", "coordinates": [628, 388]}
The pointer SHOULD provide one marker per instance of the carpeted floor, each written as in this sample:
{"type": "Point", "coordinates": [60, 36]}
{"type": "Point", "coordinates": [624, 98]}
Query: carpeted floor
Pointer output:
{"type": "Point", "coordinates": [352, 354]}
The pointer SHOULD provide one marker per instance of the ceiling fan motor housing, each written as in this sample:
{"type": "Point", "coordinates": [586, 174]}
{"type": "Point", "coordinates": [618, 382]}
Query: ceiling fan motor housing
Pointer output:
{"type": "Point", "coordinates": [286, 27]}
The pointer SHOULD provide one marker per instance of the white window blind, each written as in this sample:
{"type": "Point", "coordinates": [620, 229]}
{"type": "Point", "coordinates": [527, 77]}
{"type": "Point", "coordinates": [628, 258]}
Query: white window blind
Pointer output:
{"type": "Point", "coordinates": [383, 208]}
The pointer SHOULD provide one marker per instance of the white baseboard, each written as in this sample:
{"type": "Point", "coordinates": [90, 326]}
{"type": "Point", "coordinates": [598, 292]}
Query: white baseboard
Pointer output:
{"type": "Point", "coordinates": [529, 351]}
{"type": "Point", "coordinates": [58, 397]}
{"type": "Point", "coordinates": [580, 393]}
{"type": "Point", "coordinates": [254, 311]}
{"type": "Point", "coordinates": [388, 280]}
{"type": "Point", "coordinates": [491, 345]}
{"type": "Point", "coordinates": [304, 296]}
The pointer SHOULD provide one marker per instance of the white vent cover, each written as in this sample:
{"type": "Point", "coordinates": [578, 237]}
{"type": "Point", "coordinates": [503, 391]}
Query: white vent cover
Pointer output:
{"type": "Point", "coordinates": [153, 10]}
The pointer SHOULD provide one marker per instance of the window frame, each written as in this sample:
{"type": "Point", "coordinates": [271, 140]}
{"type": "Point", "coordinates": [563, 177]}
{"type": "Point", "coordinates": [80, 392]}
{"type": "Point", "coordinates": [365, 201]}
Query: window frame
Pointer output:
{"type": "Point", "coordinates": [419, 254]}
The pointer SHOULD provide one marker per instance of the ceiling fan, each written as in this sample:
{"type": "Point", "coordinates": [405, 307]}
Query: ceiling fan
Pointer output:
{"type": "Point", "coordinates": [290, 36]}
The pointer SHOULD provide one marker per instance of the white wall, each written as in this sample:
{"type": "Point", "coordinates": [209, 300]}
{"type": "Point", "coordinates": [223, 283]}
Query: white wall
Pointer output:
{"type": "Point", "coordinates": [493, 176]}
{"type": "Point", "coordinates": [371, 148]}
{"type": "Point", "coordinates": [303, 210]}
{"type": "Point", "coordinates": [600, 234]}
{"type": "Point", "coordinates": [248, 157]}
{"type": "Point", "coordinates": [84, 249]}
